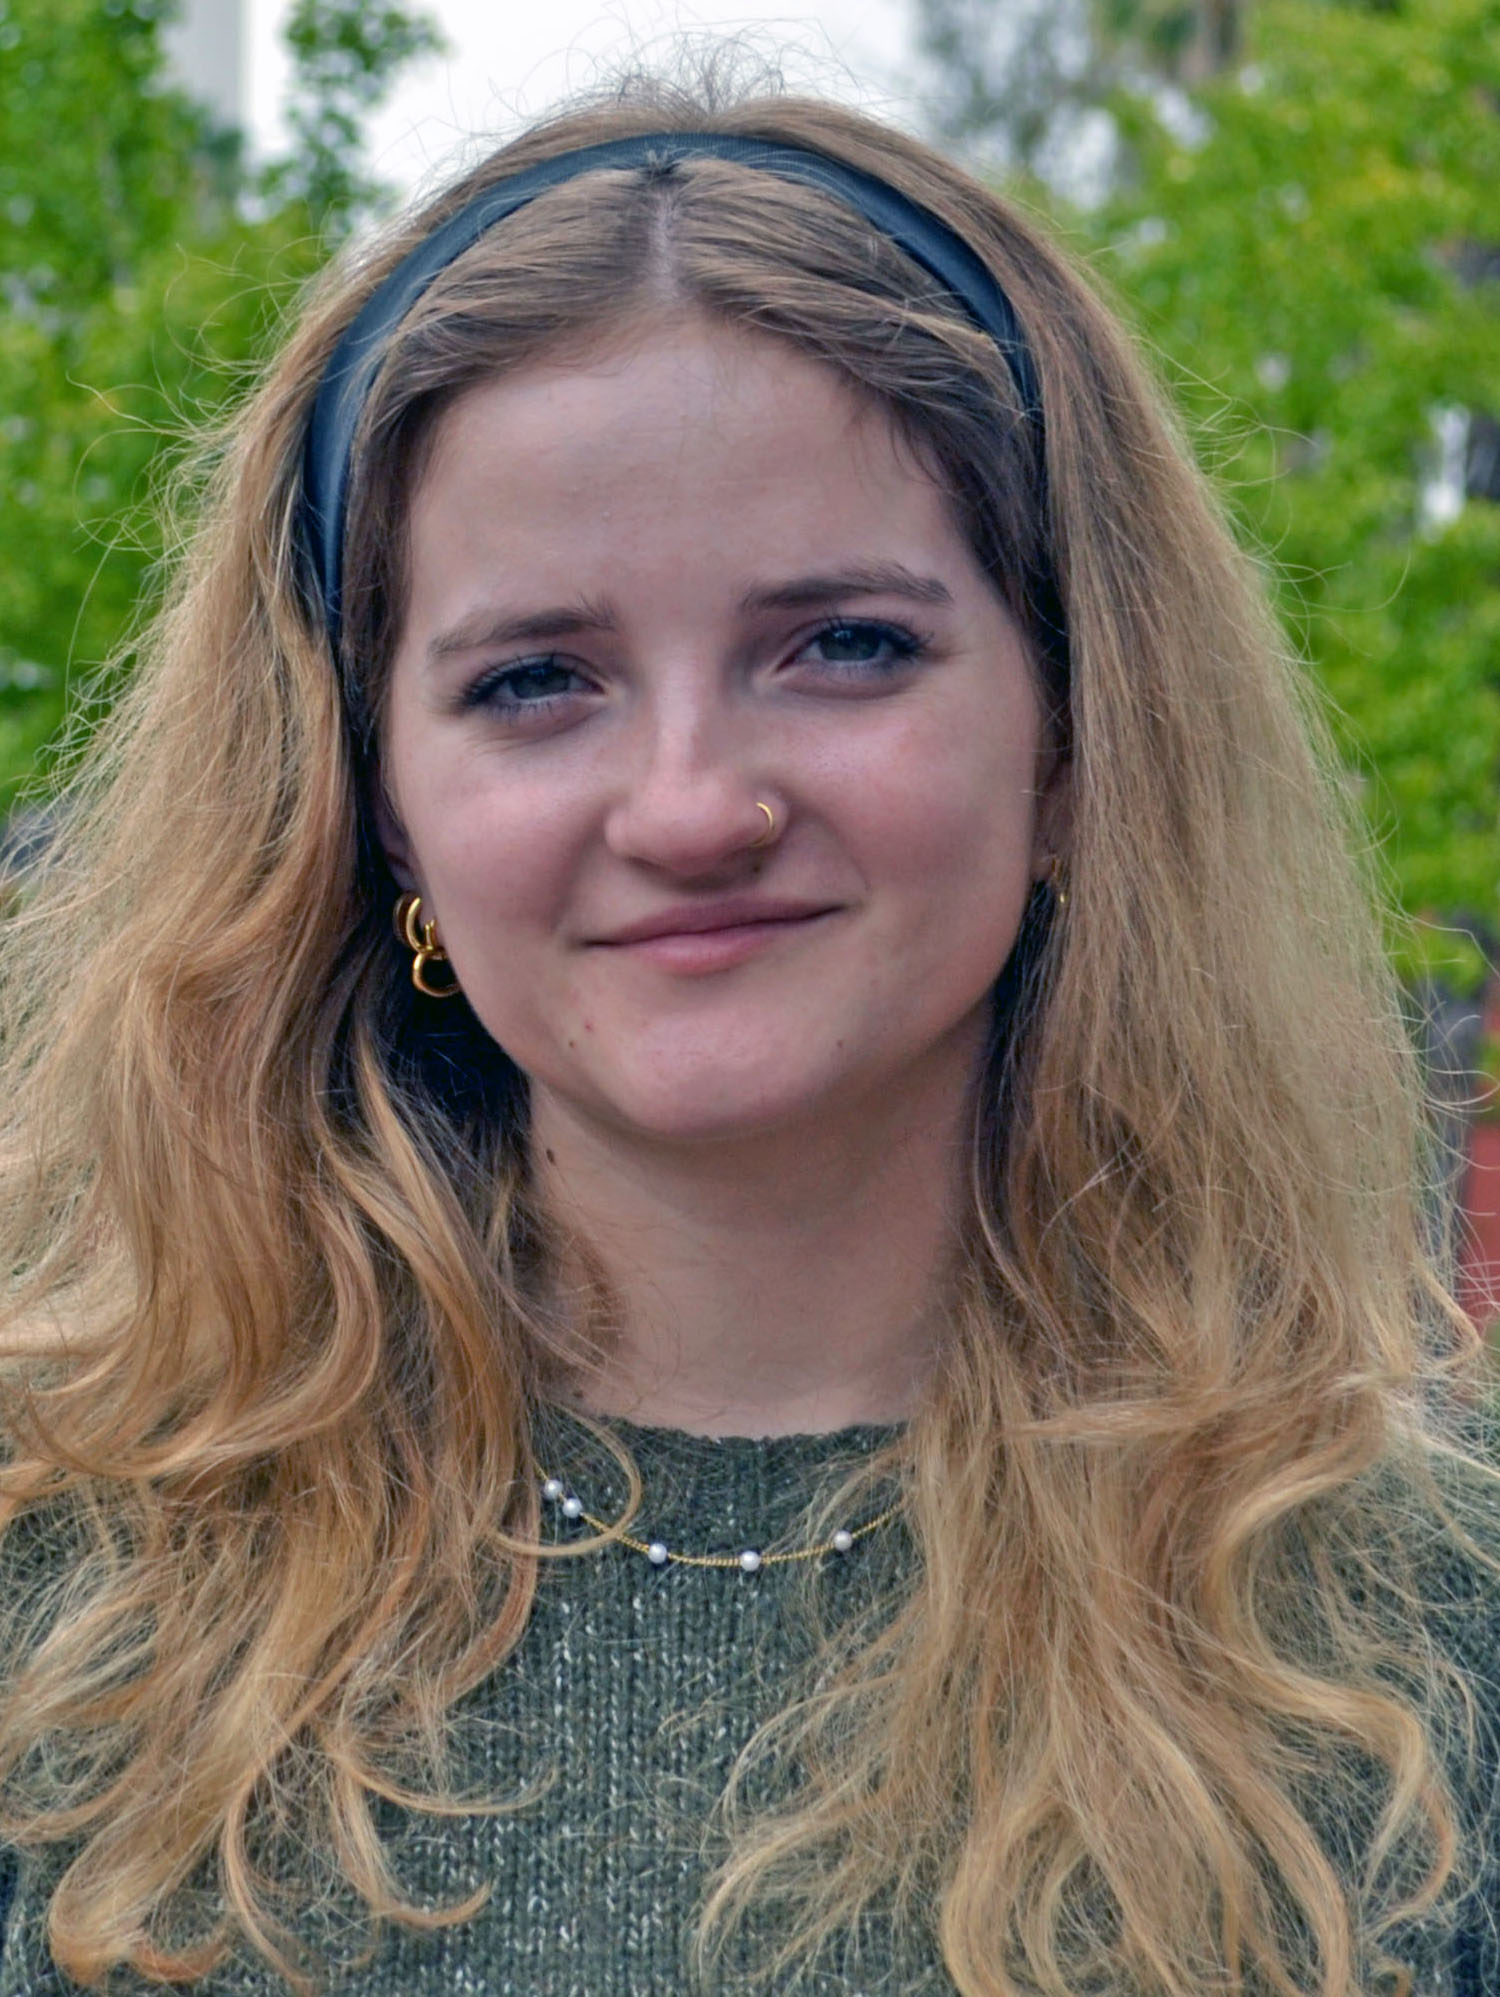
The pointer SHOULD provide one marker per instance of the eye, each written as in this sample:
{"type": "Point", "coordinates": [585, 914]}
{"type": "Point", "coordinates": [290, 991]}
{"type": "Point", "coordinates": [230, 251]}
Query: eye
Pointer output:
{"type": "Point", "coordinates": [530, 686]}
{"type": "Point", "coordinates": [859, 647]}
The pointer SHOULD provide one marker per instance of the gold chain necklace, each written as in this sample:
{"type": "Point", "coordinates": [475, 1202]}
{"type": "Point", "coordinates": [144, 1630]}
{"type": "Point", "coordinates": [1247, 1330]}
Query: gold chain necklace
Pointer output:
{"type": "Point", "coordinates": [750, 1561]}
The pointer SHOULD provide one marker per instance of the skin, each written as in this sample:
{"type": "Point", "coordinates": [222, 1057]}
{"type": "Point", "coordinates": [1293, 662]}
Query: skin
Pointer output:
{"type": "Point", "coordinates": [760, 1130]}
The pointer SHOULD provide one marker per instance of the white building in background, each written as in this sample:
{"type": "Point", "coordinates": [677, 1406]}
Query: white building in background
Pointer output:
{"type": "Point", "coordinates": [206, 46]}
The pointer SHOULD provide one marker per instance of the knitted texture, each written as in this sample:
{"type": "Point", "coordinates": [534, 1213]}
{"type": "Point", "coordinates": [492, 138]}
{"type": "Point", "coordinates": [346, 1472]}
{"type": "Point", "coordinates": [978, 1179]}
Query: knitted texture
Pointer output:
{"type": "Point", "coordinates": [612, 1731]}
{"type": "Point", "coordinates": [623, 1709]}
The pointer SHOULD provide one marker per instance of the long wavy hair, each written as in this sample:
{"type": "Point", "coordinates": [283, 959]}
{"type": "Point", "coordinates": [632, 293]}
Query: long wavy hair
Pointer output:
{"type": "Point", "coordinates": [272, 1305]}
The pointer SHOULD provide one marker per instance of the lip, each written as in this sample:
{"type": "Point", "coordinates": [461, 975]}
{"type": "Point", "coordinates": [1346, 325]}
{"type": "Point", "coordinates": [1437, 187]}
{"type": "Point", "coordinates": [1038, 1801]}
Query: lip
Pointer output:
{"type": "Point", "coordinates": [744, 912]}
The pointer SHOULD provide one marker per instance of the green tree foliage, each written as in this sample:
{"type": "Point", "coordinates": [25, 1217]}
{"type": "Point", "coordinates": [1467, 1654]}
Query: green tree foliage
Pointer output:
{"type": "Point", "coordinates": [344, 52]}
{"type": "Point", "coordinates": [1312, 266]}
{"type": "Point", "coordinates": [143, 274]}
{"type": "Point", "coordinates": [1023, 82]}
{"type": "Point", "coordinates": [1304, 234]}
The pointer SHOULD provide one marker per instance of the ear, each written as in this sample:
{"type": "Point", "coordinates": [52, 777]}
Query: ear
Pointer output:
{"type": "Point", "coordinates": [392, 836]}
{"type": "Point", "coordinates": [1052, 832]}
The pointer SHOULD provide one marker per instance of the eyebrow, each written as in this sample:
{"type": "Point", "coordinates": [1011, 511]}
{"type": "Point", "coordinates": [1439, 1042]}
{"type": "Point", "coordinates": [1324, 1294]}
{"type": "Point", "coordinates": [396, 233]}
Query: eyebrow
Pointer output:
{"type": "Point", "coordinates": [492, 627]}
{"type": "Point", "coordinates": [567, 620]}
{"type": "Point", "coordinates": [864, 579]}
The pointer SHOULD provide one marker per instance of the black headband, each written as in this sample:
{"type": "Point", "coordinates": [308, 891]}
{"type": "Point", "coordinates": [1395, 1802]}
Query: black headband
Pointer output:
{"type": "Point", "coordinates": [346, 380]}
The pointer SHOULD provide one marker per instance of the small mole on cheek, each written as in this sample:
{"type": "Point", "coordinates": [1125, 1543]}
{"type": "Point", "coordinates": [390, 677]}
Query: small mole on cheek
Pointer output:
{"type": "Point", "coordinates": [551, 1156]}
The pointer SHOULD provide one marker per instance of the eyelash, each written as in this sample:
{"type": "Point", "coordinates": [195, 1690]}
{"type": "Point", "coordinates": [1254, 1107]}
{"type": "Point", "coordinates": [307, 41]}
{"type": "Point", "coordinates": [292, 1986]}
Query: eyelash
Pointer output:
{"type": "Point", "coordinates": [903, 647]}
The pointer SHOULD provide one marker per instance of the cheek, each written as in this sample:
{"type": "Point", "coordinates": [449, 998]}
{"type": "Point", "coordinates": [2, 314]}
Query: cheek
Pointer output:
{"type": "Point", "coordinates": [949, 812]}
{"type": "Point", "coordinates": [478, 841]}
{"type": "Point", "coordinates": [492, 888]}
{"type": "Point", "coordinates": [949, 834]}
{"type": "Point", "coordinates": [499, 880]}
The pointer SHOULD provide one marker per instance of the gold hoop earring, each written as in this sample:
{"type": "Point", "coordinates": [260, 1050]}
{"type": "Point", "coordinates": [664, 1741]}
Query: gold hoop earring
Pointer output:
{"type": "Point", "coordinates": [768, 834]}
{"type": "Point", "coordinates": [1057, 880]}
{"type": "Point", "coordinates": [421, 938]}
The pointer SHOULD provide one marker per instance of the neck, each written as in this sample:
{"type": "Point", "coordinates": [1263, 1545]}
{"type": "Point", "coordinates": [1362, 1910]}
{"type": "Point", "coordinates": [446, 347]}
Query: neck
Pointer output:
{"type": "Point", "coordinates": [789, 1282]}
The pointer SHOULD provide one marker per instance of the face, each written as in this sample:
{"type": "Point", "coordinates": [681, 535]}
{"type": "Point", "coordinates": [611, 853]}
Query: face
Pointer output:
{"type": "Point", "coordinates": [650, 594]}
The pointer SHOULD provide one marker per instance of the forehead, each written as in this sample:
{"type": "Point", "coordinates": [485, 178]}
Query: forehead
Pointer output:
{"type": "Point", "coordinates": [690, 445]}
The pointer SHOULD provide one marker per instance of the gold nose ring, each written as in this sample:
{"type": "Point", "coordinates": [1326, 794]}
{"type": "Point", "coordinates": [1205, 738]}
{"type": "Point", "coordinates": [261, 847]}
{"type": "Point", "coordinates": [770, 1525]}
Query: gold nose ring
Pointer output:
{"type": "Point", "coordinates": [764, 838]}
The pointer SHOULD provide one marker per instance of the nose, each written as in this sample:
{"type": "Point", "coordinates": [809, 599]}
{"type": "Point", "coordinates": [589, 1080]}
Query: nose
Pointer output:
{"type": "Point", "coordinates": [691, 803]}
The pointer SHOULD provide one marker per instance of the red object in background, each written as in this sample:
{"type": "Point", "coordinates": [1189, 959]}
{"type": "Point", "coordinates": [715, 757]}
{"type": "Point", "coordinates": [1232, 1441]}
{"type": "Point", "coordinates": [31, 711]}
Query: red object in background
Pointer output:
{"type": "Point", "coordinates": [1479, 1257]}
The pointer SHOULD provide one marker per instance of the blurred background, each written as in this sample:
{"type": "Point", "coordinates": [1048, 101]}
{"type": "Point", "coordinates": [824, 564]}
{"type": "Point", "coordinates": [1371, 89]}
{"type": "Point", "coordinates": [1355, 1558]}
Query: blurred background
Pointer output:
{"type": "Point", "coordinates": [1296, 202]}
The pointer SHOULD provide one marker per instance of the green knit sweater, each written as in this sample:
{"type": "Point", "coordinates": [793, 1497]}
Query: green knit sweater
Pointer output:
{"type": "Point", "coordinates": [615, 1725]}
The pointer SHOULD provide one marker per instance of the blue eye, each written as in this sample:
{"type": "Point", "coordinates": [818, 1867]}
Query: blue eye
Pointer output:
{"type": "Point", "coordinates": [532, 685]}
{"type": "Point", "coordinates": [851, 644]}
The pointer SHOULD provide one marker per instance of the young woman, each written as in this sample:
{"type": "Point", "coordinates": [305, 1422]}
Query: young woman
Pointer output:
{"type": "Point", "coordinates": [712, 1190]}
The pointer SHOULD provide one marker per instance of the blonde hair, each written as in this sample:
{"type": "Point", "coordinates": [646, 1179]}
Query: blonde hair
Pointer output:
{"type": "Point", "coordinates": [277, 1275]}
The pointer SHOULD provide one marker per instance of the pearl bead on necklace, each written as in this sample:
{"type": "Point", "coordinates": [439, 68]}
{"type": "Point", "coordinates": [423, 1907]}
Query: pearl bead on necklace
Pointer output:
{"type": "Point", "coordinates": [750, 1561]}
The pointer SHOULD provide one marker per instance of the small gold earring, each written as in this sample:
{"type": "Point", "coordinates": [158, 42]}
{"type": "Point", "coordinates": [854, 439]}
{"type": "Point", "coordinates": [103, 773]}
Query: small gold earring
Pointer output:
{"type": "Point", "coordinates": [1057, 881]}
{"type": "Point", "coordinates": [421, 938]}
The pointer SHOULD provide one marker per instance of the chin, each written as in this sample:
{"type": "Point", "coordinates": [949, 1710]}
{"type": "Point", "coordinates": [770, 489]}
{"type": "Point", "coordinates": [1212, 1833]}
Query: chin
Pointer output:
{"type": "Point", "coordinates": [713, 1108]}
